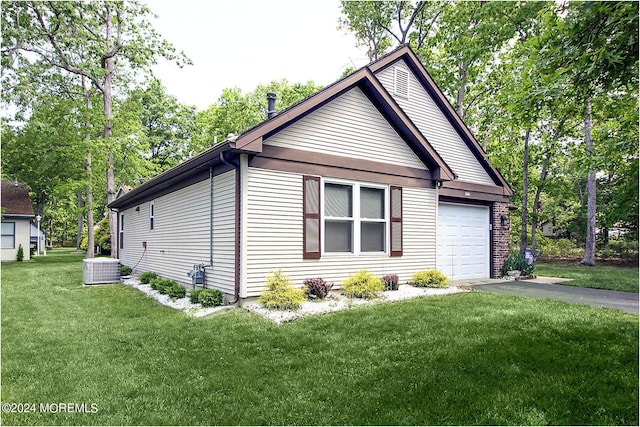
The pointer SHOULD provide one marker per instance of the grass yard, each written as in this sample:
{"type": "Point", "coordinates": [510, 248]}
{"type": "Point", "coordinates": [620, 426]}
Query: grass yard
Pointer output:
{"type": "Point", "coordinates": [469, 359]}
{"type": "Point", "coordinates": [600, 276]}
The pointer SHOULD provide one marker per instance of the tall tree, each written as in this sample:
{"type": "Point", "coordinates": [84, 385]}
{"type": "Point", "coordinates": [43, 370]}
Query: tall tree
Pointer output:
{"type": "Point", "coordinates": [96, 41]}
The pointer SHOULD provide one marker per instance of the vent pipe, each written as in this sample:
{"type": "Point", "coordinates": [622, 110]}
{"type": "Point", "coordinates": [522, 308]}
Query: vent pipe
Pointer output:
{"type": "Point", "coordinates": [271, 105]}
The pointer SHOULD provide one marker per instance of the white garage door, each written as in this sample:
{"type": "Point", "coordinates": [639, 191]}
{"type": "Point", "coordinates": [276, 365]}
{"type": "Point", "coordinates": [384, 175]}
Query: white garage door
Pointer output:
{"type": "Point", "coordinates": [462, 246]}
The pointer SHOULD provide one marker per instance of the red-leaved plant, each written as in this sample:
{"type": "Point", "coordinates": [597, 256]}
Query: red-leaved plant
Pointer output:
{"type": "Point", "coordinates": [390, 282]}
{"type": "Point", "coordinates": [316, 288]}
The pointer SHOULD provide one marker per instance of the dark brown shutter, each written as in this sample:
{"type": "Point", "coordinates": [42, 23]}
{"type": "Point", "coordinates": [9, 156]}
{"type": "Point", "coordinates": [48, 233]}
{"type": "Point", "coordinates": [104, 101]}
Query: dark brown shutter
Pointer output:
{"type": "Point", "coordinates": [311, 216]}
{"type": "Point", "coordinates": [396, 221]}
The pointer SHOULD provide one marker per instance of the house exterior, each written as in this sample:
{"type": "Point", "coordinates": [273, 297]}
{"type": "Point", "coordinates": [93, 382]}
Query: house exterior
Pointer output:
{"type": "Point", "coordinates": [17, 213]}
{"type": "Point", "coordinates": [376, 171]}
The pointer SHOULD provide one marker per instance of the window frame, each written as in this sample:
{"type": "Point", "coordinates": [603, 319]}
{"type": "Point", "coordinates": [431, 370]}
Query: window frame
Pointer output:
{"type": "Point", "coordinates": [356, 220]}
{"type": "Point", "coordinates": [12, 235]}
{"type": "Point", "coordinates": [121, 231]}
{"type": "Point", "coordinates": [152, 214]}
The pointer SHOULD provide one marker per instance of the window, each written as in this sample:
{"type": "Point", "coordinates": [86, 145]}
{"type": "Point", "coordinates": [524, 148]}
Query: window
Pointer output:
{"type": "Point", "coordinates": [151, 215]}
{"type": "Point", "coordinates": [355, 219]}
{"type": "Point", "coordinates": [121, 237]}
{"type": "Point", "coordinates": [8, 235]}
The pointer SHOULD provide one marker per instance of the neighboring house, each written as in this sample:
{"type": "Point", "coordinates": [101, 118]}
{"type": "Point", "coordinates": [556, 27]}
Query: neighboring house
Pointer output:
{"type": "Point", "coordinates": [547, 229]}
{"type": "Point", "coordinates": [17, 213]}
{"type": "Point", "coordinates": [376, 171]}
{"type": "Point", "coordinates": [34, 238]}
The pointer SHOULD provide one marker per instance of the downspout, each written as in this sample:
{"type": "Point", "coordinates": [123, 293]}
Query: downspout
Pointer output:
{"type": "Point", "coordinates": [211, 214]}
{"type": "Point", "coordinates": [236, 289]}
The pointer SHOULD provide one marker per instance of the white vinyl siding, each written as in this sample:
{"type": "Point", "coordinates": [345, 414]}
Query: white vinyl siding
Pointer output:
{"type": "Point", "coordinates": [275, 235]}
{"type": "Point", "coordinates": [433, 124]}
{"type": "Point", "coordinates": [349, 126]}
{"type": "Point", "coordinates": [180, 237]}
{"type": "Point", "coordinates": [21, 236]}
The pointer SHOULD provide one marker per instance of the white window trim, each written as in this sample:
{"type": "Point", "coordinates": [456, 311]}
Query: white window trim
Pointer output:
{"type": "Point", "coordinates": [152, 216]}
{"type": "Point", "coordinates": [121, 232]}
{"type": "Point", "coordinates": [356, 185]}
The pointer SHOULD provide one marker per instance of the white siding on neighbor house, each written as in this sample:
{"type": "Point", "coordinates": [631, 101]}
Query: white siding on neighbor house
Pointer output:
{"type": "Point", "coordinates": [180, 237]}
{"type": "Point", "coordinates": [22, 237]}
{"type": "Point", "coordinates": [274, 235]}
{"type": "Point", "coordinates": [349, 126]}
{"type": "Point", "coordinates": [433, 124]}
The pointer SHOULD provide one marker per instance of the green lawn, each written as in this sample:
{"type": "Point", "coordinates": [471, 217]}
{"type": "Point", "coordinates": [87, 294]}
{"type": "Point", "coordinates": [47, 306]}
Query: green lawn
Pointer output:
{"type": "Point", "coordinates": [468, 359]}
{"type": "Point", "coordinates": [600, 276]}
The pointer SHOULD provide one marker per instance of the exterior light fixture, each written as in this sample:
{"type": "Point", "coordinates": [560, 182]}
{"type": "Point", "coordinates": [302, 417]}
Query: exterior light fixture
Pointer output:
{"type": "Point", "coordinates": [504, 221]}
{"type": "Point", "coordinates": [38, 218]}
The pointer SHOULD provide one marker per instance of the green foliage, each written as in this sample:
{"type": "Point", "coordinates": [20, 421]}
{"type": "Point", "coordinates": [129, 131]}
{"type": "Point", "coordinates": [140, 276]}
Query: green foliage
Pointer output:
{"type": "Point", "coordinates": [280, 293]}
{"type": "Point", "coordinates": [194, 295]}
{"type": "Point", "coordinates": [210, 297]}
{"type": "Point", "coordinates": [168, 287]}
{"type": "Point", "coordinates": [20, 254]}
{"type": "Point", "coordinates": [125, 270]}
{"type": "Point", "coordinates": [362, 285]}
{"type": "Point", "coordinates": [429, 279]}
{"type": "Point", "coordinates": [516, 261]}
{"type": "Point", "coordinates": [206, 297]}
{"type": "Point", "coordinates": [147, 276]}
{"type": "Point", "coordinates": [176, 291]}
{"type": "Point", "coordinates": [559, 248]}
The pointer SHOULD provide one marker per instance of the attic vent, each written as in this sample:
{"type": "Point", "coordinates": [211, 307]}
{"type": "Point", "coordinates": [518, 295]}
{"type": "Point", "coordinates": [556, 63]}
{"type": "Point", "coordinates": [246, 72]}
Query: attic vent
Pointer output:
{"type": "Point", "coordinates": [401, 82]}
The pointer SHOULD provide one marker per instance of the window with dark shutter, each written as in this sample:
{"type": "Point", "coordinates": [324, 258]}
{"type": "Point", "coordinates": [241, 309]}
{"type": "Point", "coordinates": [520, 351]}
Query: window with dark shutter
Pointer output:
{"type": "Point", "coordinates": [396, 221]}
{"type": "Point", "coordinates": [311, 216]}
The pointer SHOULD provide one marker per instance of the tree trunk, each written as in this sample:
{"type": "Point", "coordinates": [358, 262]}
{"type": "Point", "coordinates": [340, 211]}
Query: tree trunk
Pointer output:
{"type": "Point", "coordinates": [108, 67]}
{"type": "Point", "coordinates": [590, 244]}
{"type": "Point", "coordinates": [461, 90]}
{"type": "Point", "coordinates": [89, 188]}
{"type": "Point", "coordinates": [525, 193]}
{"type": "Point", "coordinates": [80, 221]}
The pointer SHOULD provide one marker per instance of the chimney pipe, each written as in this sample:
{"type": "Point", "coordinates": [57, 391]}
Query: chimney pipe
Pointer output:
{"type": "Point", "coordinates": [271, 105]}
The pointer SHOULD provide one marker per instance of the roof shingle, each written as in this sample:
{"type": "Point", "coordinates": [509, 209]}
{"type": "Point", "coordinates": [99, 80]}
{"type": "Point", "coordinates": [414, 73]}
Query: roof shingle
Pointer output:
{"type": "Point", "coordinates": [15, 199]}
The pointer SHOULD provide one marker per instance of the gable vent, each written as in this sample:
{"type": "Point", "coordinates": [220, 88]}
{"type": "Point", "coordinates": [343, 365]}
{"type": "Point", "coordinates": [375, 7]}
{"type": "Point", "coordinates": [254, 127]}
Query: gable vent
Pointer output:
{"type": "Point", "coordinates": [401, 82]}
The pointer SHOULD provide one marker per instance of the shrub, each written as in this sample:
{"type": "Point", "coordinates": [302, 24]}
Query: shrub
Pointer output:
{"type": "Point", "coordinates": [316, 288]}
{"type": "Point", "coordinates": [429, 279]}
{"type": "Point", "coordinates": [147, 276]}
{"type": "Point", "coordinates": [164, 286]}
{"type": "Point", "coordinates": [125, 271]}
{"type": "Point", "coordinates": [362, 285]}
{"type": "Point", "coordinates": [194, 295]}
{"type": "Point", "coordinates": [280, 293]}
{"type": "Point", "coordinates": [20, 254]}
{"type": "Point", "coordinates": [516, 261]}
{"type": "Point", "coordinates": [174, 290]}
{"type": "Point", "coordinates": [390, 282]}
{"type": "Point", "coordinates": [210, 297]}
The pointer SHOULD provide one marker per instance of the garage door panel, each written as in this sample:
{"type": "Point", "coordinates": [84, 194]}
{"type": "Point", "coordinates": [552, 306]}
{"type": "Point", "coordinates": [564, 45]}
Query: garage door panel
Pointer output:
{"type": "Point", "coordinates": [463, 241]}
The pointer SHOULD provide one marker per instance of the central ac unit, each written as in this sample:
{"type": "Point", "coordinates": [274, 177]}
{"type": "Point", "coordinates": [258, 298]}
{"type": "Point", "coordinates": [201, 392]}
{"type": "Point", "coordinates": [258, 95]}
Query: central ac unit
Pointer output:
{"type": "Point", "coordinates": [100, 270]}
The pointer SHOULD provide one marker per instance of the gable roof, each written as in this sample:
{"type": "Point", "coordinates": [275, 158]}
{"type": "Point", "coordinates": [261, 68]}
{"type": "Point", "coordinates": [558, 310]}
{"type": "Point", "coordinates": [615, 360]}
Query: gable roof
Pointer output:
{"type": "Point", "coordinates": [405, 53]}
{"type": "Point", "coordinates": [250, 141]}
{"type": "Point", "coordinates": [15, 200]}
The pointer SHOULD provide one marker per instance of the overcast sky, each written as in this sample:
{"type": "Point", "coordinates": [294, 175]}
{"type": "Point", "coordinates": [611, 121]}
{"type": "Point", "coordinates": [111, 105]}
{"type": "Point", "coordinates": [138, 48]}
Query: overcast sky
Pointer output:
{"type": "Point", "coordinates": [247, 42]}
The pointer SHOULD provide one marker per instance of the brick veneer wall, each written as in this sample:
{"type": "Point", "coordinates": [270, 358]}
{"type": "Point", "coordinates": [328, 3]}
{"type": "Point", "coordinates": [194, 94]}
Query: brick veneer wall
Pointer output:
{"type": "Point", "coordinates": [500, 236]}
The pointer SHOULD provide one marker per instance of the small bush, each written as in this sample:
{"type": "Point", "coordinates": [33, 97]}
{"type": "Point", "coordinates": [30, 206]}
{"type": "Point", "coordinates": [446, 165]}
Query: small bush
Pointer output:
{"type": "Point", "coordinates": [280, 293]}
{"type": "Point", "coordinates": [316, 288]}
{"type": "Point", "coordinates": [516, 261]}
{"type": "Point", "coordinates": [362, 285]}
{"type": "Point", "coordinates": [194, 295]}
{"type": "Point", "coordinates": [164, 286]}
{"type": "Point", "coordinates": [125, 271]}
{"type": "Point", "coordinates": [20, 254]}
{"type": "Point", "coordinates": [429, 279]}
{"type": "Point", "coordinates": [210, 297]}
{"type": "Point", "coordinates": [147, 276]}
{"type": "Point", "coordinates": [175, 290]}
{"type": "Point", "coordinates": [390, 282]}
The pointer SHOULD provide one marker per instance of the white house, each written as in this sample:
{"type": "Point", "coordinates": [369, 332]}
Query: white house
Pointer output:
{"type": "Point", "coordinates": [376, 171]}
{"type": "Point", "coordinates": [17, 213]}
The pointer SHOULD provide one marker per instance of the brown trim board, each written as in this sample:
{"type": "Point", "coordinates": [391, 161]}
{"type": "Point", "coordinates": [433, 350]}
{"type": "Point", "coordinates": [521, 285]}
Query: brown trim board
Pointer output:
{"type": "Point", "coordinates": [313, 163]}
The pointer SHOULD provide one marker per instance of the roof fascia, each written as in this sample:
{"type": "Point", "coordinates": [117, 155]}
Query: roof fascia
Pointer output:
{"type": "Point", "coordinates": [405, 52]}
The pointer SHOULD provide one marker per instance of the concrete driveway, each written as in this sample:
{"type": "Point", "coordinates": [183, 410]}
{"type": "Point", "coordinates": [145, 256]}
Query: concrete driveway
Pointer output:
{"type": "Point", "coordinates": [546, 288]}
